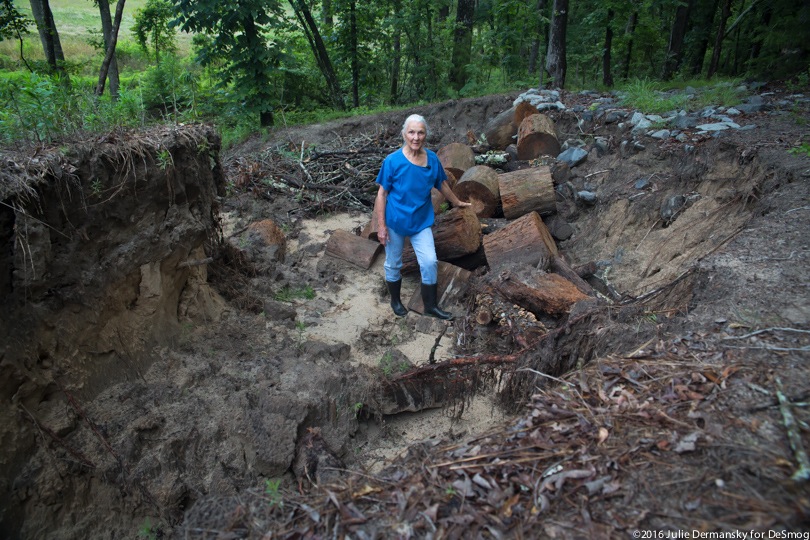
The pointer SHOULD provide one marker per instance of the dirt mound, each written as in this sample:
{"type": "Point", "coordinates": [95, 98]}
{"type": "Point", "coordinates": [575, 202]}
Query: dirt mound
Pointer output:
{"type": "Point", "coordinates": [234, 424]}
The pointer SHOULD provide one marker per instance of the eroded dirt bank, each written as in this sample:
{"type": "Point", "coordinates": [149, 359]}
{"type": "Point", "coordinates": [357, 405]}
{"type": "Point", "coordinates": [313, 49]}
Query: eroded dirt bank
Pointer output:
{"type": "Point", "coordinates": [675, 425]}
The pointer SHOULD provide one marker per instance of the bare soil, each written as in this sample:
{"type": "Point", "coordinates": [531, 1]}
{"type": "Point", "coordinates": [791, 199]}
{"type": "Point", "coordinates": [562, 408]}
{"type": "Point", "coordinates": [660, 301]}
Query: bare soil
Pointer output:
{"type": "Point", "coordinates": [658, 410]}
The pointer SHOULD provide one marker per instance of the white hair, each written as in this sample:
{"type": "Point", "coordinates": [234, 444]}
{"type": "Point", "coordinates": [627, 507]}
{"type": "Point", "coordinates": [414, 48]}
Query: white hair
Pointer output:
{"type": "Point", "coordinates": [416, 118]}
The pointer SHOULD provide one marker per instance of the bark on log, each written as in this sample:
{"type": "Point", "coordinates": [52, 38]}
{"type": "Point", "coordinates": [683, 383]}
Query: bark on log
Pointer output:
{"type": "Point", "coordinates": [436, 197]}
{"type": "Point", "coordinates": [536, 291]}
{"type": "Point", "coordinates": [479, 186]}
{"type": "Point", "coordinates": [355, 249]}
{"type": "Point", "coordinates": [452, 285]}
{"type": "Point", "coordinates": [369, 232]}
{"type": "Point", "coordinates": [586, 270]}
{"type": "Point", "coordinates": [500, 131]}
{"type": "Point", "coordinates": [455, 233]}
{"type": "Point", "coordinates": [525, 240]}
{"type": "Point", "coordinates": [537, 137]}
{"type": "Point", "coordinates": [456, 157]}
{"type": "Point", "coordinates": [559, 266]}
{"type": "Point", "coordinates": [527, 190]}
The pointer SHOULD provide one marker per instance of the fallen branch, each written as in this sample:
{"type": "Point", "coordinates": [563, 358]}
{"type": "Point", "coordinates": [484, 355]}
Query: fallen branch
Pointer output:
{"type": "Point", "coordinates": [795, 438]}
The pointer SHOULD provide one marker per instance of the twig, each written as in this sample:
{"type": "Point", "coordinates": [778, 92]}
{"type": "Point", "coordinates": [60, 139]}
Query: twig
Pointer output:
{"type": "Point", "coordinates": [199, 262]}
{"type": "Point", "coordinates": [803, 473]}
{"type": "Point", "coordinates": [806, 348]}
{"type": "Point", "coordinates": [45, 429]}
{"type": "Point", "coordinates": [432, 357]}
{"type": "Point", "coordinates": [797, 209]}
{"type": "Point", "coordinates": [771, 329]}
{"type": "Point", "coordinates": [597, 172]}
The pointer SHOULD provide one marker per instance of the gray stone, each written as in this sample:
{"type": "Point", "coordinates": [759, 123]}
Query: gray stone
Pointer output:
{"type": "Point", "coordinates": [660, 134]}
{"type": "Point", "coordinates": [685, 122]}
{"type": "Point", "coordinates": [638, 147]}
{"type": "Point", "coordinates": [749, 127]}
{"type": "Point", "coordinates": [278, 311]}
{"type": "Point", "coordinates": [587, 197]}
{"type": "Point", "coordinates": [655, 118]}
{"type": "Point", "coordinates": [602, 145]}
{"type": "Point", "coordinates": [636, 118]}
{"type": "Point", "coordinates": [671, 206]}
{"type": "Point", "coordinates": [642, 183]}
{"type": "Point", "coordinates": [750, 108]}
{"type": "Point", "coordinates": [573, 156]}
{"type": "Point", "coordinates": [707, 112]}
{"type": "Point", "coordinates": [681, 137]}
{"type": "Point", "coordinates": [732, 111]}
{"type": "Point", "coordinates": [719, 126]}
{"type": "Point", "coordinates": [642, 125]}
{"type": "Point", "coordinates": [614, 116]}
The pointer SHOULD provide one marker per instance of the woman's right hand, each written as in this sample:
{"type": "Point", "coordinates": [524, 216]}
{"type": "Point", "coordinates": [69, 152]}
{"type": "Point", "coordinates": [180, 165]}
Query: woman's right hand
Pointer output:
{"type": "Point", "coordinates": [382, 235]}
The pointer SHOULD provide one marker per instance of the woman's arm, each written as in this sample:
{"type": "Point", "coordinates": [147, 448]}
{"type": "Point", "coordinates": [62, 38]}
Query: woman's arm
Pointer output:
{"type": "Point", "coordinates": [450, 196]}
{"type": "Point", "coordinates": [379, 208]}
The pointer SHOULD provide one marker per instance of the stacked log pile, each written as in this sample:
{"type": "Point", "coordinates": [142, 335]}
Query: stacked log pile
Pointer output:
{"type": "Point", "coordinates": [500, 249]}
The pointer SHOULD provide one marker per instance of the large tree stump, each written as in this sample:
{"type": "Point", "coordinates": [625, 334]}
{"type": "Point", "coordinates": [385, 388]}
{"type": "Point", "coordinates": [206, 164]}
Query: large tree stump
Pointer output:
{"type": "Point", "coordinates": [534, 290]}
{"type": "Point", "coordinates": [500, 131]}
{"type": "Point", "coordinates": [537, 137]}
{"type": "Point", "coordinates": [455, 233]}
{"type": "Point", "coordinates": [452, 285]}
{"type": "Point", "coordinates": [527, 190]}
{"type": "Point", "coordinates": [456, 157]}
{"type": "Point", "coordinates": [526, 240]}
{"type": "Point", "coordinates": [355, 249]}
{"type": "Point", "coordinates": [479, 186]}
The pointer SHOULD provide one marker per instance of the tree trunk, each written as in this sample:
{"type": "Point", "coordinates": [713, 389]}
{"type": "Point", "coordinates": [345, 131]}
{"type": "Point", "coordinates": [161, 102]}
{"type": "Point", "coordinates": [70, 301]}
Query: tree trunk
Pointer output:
{"type": "Point", "coordinates": [500, 131]}
{"type": "Point", "coordinates": [327, 15]}
{"type": "Point", "coordinates": [479, 186]}
{"type": "Point", "coordinates": [355, 249]}
{"type": "Point", "coordinates": [457, 158]}
{"type": "Point", "coordinates": [105, 65]}
{"type": "Point", "coordinates": [676, 39]}
{"type": "Point", "coordinates": [106, 28]}
{"type": "Point", "coordinates": [607, 74]}
{"type": "Point", "coordinates": [527, 190]}
{"type": "Point", "coordinates": [526, 240]}
{"type": "Point", "coordinates": [535, 290]}
{"type": "Point", "coordinates": [628, 55]}
{"type": "Point", "coordinates": [556, 55]}
{"type": "Point", "coordinates": [536, 137]}
{"type": "Point", "coordinates": [462, 43]}
{"type": "Point", "coordinates": [396, 45]}
{"type": "Point", "coordinates": [48, 35]}
{"type": "Point", "coordinates": [456, 233]}
{"type": "Point", "coordinates": [451, 286]}
{"type": "Point", "coordinates": [704, 33]}
{"type": "Point", "coordinates": [304, 16]}
{"type": "Point", "coordinates": [353, 52]}
{"type": "Point", "coordinates": [718, 40]}
{"type": "Point", "coordinates": [765, 21]}
{"type": "Point", "coordinates": [539, 34]}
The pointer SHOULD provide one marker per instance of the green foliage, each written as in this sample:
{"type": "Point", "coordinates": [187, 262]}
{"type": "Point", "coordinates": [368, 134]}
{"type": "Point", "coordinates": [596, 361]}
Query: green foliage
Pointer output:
{"type": "Point", "coordinates": [13, 24]}
{"type": "Point", "coordinates": [646, 95]}
{"type": "Point", "coordinates": [272, 489]}
{"type": "Point", "coordinates": [288, 294]}
{"type": "Point", "coordinates": [152, 28]}
{"type": "Point", "coordinates": [801, 150]}
{"type": "Point", "coordinates": [389, 366]}
{"type": "Point", "coordinates": [146, 531]}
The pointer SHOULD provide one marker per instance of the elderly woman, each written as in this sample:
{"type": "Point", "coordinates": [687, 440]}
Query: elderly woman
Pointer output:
{"type": "Point", "coordinates": [404, 209]}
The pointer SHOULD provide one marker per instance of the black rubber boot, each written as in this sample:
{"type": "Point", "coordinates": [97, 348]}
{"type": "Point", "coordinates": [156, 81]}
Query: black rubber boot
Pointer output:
{"type": "Point", "coordinates": [396, 303]}
{"type": "Point", "coordinates": [431, 306]}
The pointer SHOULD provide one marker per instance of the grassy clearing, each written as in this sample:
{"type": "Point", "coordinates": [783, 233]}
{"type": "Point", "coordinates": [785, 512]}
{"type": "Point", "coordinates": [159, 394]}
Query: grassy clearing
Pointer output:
{"type": "Point", "coordinates": [657, 97]}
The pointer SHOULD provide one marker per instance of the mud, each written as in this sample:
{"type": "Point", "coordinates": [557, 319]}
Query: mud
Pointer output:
{"type": "Point", "coordinates": [138, 386]}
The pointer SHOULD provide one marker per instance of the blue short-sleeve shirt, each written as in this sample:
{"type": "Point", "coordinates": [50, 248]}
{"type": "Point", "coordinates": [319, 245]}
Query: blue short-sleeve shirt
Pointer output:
{"type": "Point", "coordinates": [409, 208]}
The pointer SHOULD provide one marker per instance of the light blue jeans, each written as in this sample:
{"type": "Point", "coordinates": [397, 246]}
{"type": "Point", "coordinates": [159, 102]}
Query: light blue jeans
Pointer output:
{"type": "Point", "coordinates": [422, 243]}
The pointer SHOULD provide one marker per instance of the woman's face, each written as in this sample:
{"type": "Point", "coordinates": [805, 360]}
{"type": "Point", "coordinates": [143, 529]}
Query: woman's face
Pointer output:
{"type": "Point", "coordinates": [415, 136]}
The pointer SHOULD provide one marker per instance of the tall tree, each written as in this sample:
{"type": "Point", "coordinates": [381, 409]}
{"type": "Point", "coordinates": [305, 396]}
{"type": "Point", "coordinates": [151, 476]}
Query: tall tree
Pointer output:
{"type": "Point", "coordinates": [718, 40]}
{"type": "Point", "coordinates": [48, 35]}
{"type": "Point", "coordinates": [355, 62]}
{"type": "Point", "coordinates": [396, 44]}
{"type": "Point", "coordinates": [237, 46]}
{"type": "Point", "coordinates": [607, 73]}
{"type": "Point", "coordinates": [462, 43]}
{"type": "Point", "coordinates": [13, 25]}
{"type": "Point", "coordinates": [629, 33]}
{"type": "Point", "coordinates": [556, 55]}
{"type": "Point", "coordinates": [106, 30]}
{"type": "Point", "coordinates": [676, 39]}
{"type": "Point", "coordinates": [110, 52]}
{"type": "Point", "coordinates": [701, 33]}
{"type": "Point", "coordinates": [540, 34]}
{"type": "Point", "coordinates": [310, 28]}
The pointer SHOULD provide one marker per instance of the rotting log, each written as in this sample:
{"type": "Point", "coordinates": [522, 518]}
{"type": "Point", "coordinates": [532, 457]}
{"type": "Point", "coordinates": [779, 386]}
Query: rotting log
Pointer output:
{"type": "Point", "coordinates": [479, 186]}
{"type": "Point", "coordinates": [535, 290]}
{"type": "Point", "coordinates": [455, 233]}
{"type": "Point", "coordinates": [537, 137]}
{"type": "Point", "coordinates": [452, 285]}
{"type": "Point", "coordinates": [500, 131]}
{"type": "Point", "coordinates": [525, 240]}
{"type": "Point", "coordinates": [352, 248]}
{"type": "Point", "coordinates": [561, 267]}
{"type": "Point", "coordinates": [527, 190]}
{"type": "Point", "coordinates": [456, 157]}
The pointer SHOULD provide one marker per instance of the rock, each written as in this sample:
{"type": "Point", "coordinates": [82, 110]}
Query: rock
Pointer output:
{"type": "Point", "coordinates": [671, 206]}
{"type": "Point", "coordinates": [602, 145]}
{"type": "Point", "coordinates": [681, 137]}
{"type": "Point", "coordinates": [661, 134]}
{"type": "Point", "coordinates": [573, 156]}
{"type": "Point", "coordinates": [749, 108]}
{"type": "Point", "coordinates": [638, 147]}
{"type": "Point", "coordinates": [685, 122]}
{"type": "Point", "coordinates": [642, 125]}
{"type": "Point", "coordinates": [559, 228]}
{"type": "Point", "coordinates": [637, 118]}
{"type": "Point", "coordinates": [278, 311]}
{"type": "Point", "coordinates": [642, 183]}
{"type": "Point", "coordinates": [749, 127]}
{"type": "Point", "coordinates": [317, 350]}
{"type": "Point", "coordinates": [614, 116]}
{"type": "Point", "coordinates": [719, 126]}
{"type": "Point", "coordinates": [587, 197]}
{"type": "Point", "coordinates": [732, 111]}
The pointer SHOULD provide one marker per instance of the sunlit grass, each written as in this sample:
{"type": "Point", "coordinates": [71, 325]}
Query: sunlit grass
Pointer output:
{"type": "Point", "coordinates": [656, 97]}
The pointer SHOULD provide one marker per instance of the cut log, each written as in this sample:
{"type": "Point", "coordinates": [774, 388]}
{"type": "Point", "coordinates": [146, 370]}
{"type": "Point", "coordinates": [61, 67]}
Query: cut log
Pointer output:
{"type": "Point", "coordinates": [479, 186]}
{"type": "Point", "coordinates": [537, 137]}
{"type": "Point", "coordinates": [456, 157]}
{"type": "Point", "coordinates": [436, 197]}
{"type": "Point", "coordinates": [527, 190]}
{"type": "Point", "coordinates": [536, 291]}
{"type": "Point", "coordinates": [455, 233]}
{"type": "Point", "coordinates": [369, 232]}
{"type": "Point", "coordinates": [355, 249]}
{"type": "Point", "coordinates": [472, 261]}
{"type": "Point", "coordinates": [500, 131]}
{"type": "Point", "coordinates": [525, 240]}
{"type": "Point", "coordinates": [559, 266]}
{"type": "Point", "coordinates": [452, 285]}
{"type": "Point", "coordinates": [586, 270]}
